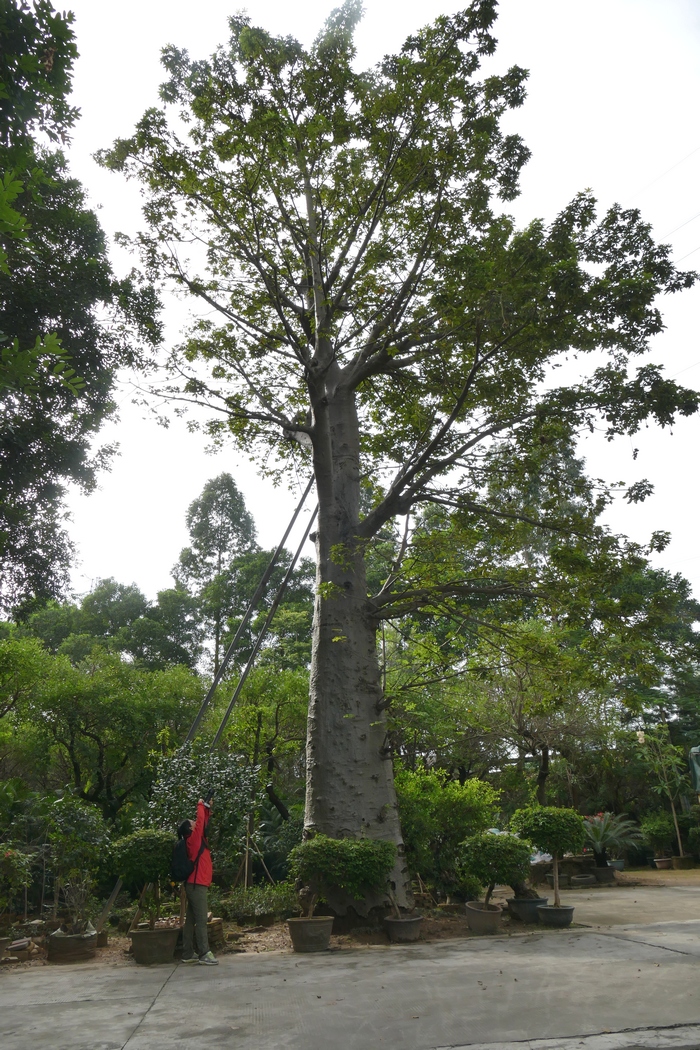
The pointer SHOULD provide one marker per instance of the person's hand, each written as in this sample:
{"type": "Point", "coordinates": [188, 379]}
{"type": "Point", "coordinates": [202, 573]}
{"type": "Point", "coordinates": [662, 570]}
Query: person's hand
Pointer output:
{"type": "Point", "coordinates": [201, 802]}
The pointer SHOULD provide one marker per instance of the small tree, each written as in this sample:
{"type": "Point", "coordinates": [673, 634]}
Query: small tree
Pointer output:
{"type": "Point", "coordinates": [353, 866]}
{"type": "Point", "coordinates": [552, 830]}
{"type": "Point", "coordinates": [657, 831]}
{"type": "Point", "coordinates": [496, 859]}
{"type": "Point", "coordinates": [15, 874]}
{"type": "Point", "coordinates": [79, 839]}
{"type": "Point", "coordinates": [667, 763]}
{"type": "Point", "coordinates": [144, 858]}
{"type": "Point", "coordinates": [607, 831]}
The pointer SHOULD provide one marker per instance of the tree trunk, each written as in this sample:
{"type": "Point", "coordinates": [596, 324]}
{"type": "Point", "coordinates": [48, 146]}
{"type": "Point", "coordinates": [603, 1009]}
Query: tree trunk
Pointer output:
{"type": "Point", "coordinates": [678, 830]}
{"type": "Point", "coordinates": [350, 783]}
{"type": "Point", "coordinates": [557, 899]}
{"type": "Point", "coordinates": [542, 774]}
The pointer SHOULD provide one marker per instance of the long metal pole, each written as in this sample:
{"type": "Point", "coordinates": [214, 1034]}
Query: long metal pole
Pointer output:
{"type": "Point", "coordinates": [246, 617]}
{"type": "Point", "coordinates": [263, 631]}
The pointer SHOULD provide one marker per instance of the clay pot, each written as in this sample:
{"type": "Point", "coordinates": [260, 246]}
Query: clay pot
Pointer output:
{"type": "Point", "coordinates": [311, 935]}
{"type": "Point", "coordinates": [564, 880]}
{"type": "Point", "coordinates": [154, 947]}
{"type": "Point", "coordinates": [102, 939]}
{"type": "Point", "coordinates": [551, 916]}
{"type": "Point", "coordinates": [404, 930]}
{"type": "Point", "coordinates": [682, 863]}
{"type": "Point", "coordinates": [71, 948]}
{"type": "Point", "coordinates": [525, 908]}
{"type": "Point", "coordinates": [579, 881]}
{"type": "Point", "coordinates": [663, 862]}
{"type": "Point", "coordinates": [606, 876]}
{"type": "Point", "coordinates": [618, 865]}
{"type": "Point", "coordinates": [5, 942]}
{"type": "Point", "coordinates": [483, 918]}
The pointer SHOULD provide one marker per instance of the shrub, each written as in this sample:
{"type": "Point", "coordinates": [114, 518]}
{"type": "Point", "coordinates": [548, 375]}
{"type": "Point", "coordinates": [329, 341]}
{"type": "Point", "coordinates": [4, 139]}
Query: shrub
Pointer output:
{"type": "Point", "coordinates": [496, 859]}
{"type": "Point", "coordinates": [658, 831]}
{"type": "Point", "coordinates": [436, 815]}
{"type": "Point", "coordinates": [552, 830]}
{"type": "Point", "coordinates": [145, 857]}
{"type": "Point", "coordinates": [243, 905]}
{"type": "Point", "coordinates": [606, 831]}
{"type": "Point", "coordinates": [15, 874]}
{"type": "Point", "coordinates": [351, 865]}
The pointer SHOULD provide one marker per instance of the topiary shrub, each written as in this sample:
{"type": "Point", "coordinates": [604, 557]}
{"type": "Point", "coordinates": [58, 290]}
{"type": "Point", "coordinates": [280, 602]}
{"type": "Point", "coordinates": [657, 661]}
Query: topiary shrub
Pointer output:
{"type": "Point", "coordinates": [354, 866]}
{"type": "Point", "coordinates": [438, 814]}
{"type": "Point", "coordinates": [495, 859]}
{"type": "Point", "coordinates": [143, 858]}
{"type": "Point", "coordinates": [657, 830]}
{"type": "Point", "coordinates": [552, 830]}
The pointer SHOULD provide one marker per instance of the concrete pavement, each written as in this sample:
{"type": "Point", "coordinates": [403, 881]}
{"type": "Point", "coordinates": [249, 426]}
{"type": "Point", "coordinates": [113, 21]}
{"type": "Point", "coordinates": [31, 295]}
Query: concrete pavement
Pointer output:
{"type": "Point", "coordinates": [616, 987]}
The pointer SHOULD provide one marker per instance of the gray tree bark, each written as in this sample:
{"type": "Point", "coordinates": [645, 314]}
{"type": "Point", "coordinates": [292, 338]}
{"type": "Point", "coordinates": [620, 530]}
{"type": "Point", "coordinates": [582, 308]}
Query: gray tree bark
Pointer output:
{"type": "Point", "coordinates": [350, 784]}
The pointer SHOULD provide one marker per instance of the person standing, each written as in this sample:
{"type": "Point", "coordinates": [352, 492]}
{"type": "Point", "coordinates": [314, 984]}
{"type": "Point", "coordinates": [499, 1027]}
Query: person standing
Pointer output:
{"type": "Point", "coordinates": [196, 886]}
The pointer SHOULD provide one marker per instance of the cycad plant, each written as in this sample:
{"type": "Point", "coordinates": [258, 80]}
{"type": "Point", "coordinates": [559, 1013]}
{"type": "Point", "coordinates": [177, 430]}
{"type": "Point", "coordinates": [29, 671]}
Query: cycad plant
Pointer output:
{"type": "Point", "coordinates": [608, 831]}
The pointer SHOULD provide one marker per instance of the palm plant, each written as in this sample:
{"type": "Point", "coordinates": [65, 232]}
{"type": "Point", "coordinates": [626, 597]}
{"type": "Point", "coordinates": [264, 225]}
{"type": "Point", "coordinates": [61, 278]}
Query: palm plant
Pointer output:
{"type": "Point", "coordinates": [608, 831]}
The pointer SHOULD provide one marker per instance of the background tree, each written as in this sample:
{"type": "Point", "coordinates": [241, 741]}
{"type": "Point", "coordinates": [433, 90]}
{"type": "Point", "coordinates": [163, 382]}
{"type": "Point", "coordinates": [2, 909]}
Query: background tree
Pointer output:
{"type": "Point", "coordinates": [363, 292]}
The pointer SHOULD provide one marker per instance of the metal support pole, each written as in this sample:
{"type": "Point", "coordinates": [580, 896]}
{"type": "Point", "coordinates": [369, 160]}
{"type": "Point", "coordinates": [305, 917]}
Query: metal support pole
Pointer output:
{"type": "Point", "coordinates": [263, 631]}
{"type": "Point", "coordinates": [246, 617]}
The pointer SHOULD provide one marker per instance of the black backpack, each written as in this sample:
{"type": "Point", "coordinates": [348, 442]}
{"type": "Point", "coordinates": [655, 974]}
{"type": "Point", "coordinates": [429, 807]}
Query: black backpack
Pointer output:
{"type": "Point", "coordinates": [181, 867]}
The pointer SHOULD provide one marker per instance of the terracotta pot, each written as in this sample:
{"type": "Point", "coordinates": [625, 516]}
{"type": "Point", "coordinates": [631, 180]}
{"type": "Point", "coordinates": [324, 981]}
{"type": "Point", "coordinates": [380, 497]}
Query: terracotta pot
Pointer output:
{"type": "Point", "coordinates": [525, 908]}
{"type": "Point", "coordinates": [102, 939]}
{"type": "Point", "coordinates": [404, 930]}
{"type": "Point", "coordinates": [154, 947]}
{"type": "Point", "coordinates": [483, 918]}
{"type": "Point", "coordinates": [663, 862]}
{"type": "Point", "coordinates": [311, 935]}
{"type": "Point", "coordinates": [551, 916]}
{"type": "Point", "coordinates": [681, 863]}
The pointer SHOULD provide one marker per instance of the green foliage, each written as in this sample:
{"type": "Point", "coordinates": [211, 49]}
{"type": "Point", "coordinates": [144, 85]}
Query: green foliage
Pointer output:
{"type": "Point", "coordinates": [496, 859]}
{"type": "Point", "coordinates": [436, 815]}
{"type": "Point", "coordinates": [78, 835]}
{"type": "Point", "coordinates": [144, 856]}
{"type": "Point", "coordinates": [657, 831]}
{"type": "Point", "coordinates": [552, 830]}
{"type": "Point", "coordinates": [243, 905]}
{"type": "Point", "coordinates": [15, 874]}
{"type": "Point", "coordinates": [354, 866]}
{"type": "Point", "coordinates": [183, 776]}
{"type": "Point", "coordinates": [609, 831]}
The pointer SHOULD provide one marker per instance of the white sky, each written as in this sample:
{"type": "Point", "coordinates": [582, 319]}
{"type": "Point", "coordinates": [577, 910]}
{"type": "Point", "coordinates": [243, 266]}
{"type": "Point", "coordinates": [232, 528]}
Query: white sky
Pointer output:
{"type": "Point", "coordinates": [612, 105]}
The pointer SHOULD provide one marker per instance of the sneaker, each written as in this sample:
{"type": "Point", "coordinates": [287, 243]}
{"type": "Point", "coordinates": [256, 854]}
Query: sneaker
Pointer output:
{"type": "Point", "coordinates": [209, 960]}
{"type": "Point", "coordinates": [192, 959]}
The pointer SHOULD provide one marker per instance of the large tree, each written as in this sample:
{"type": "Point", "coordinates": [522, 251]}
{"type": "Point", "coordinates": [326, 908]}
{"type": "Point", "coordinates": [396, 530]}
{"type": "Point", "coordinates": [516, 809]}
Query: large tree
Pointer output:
{"type": "Point", "coordinates": [362, 293]}
{"type": "Point", "coordinates": [58, 354]}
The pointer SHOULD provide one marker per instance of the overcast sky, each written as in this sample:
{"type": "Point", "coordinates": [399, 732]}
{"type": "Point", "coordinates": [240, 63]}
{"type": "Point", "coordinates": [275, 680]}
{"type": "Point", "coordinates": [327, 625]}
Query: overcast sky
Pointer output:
{"type": "Point", "coordinates": [612, 106]}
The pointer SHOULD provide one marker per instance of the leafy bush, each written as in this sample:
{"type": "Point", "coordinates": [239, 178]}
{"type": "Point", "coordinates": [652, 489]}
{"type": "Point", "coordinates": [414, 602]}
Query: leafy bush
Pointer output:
{"type": "Point", "coordinates": [657, 830]}
{"type": "Point", "coordinates": [552, 830]}
{"type": "Point", "coordinates": [694, 840]}
{"type": "Point", "coordinates": [496, 859]}
{"type": "Point", "coordinates": [242, 905]}
{"type": "Point", "coordinates": [15, 874]}
{"type": "Point", "coordinates": [606, 831]}
{"type": "Point", "coordinates": [436, 816]}
{"type": "Point", "coordinates": [78, 835]}
{"type": "Point", "coordinates": [352, 865]}
{"type": "Point", "coordinates": [183, 777]}
{"type": "Point", "coordinates": [145, 857]}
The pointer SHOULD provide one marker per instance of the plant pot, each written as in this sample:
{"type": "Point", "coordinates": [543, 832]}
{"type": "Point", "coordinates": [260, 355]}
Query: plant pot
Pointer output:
{"type": "Point", "coordinates": [551, 916]}
{"type": "Point", "coordinates": [681, 863]}
{"type": "Point", "coordinates": [154, 947]}
{"type": "Point", "coordinates": [663, 862]}
{"type": "Point", "coordinates": [215, 934]}
{"type": "Point", "coordinates": [564, 880]}
{"type": "Point", "coordinates": [71, 947]}
{"type": "Point", "coordinates": [102, 939]}
{"type": "Point", "coordinates": [606, 876]}
{"type": "Point", "coordinates": [5, 942]}
{"type": "Point", "coordinates": [618, 865]}
{"type": "Point", "coordinates": [579, 881]}
{"type": "Point", "coordinates": [311, 935]}
{"type": "Point", "coordinates": [483, 918]}
{"type": "Point", "coordinates": [404, 930]}
{"type": "Point", "coordinates": [525, 908]}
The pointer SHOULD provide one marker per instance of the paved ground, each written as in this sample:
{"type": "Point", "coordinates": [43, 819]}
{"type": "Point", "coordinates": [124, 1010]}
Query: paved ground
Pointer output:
{"type": "Point", "coordinates": [606, 987]}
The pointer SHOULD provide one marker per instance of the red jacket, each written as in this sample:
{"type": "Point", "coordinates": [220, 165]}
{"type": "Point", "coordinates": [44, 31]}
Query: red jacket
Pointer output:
{"type": "Point", "coordinates": [202, 874]}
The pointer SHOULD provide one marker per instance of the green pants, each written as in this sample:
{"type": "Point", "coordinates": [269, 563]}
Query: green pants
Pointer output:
{"type": "Point", "coordinates": [195, 921]}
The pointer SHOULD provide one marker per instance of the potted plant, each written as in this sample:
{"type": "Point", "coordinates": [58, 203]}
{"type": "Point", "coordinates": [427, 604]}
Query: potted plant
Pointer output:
{"type": "Point", "coordinates": [493, 859]}
{"type": "Point", "coordinates": [78, 840]}
{"type": "Point", "coordinates": [355, 866]}
{"type": "Point", "coordinates": [555, 831]}
{"type": "Point", "coordinates": [657, 831]}
{"type": "Point", "coordinates": [143, 860]}
{"type": "Point", "coordinates": [668, 765]}
{"type": "Point", "coordinates": [608, 831]}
